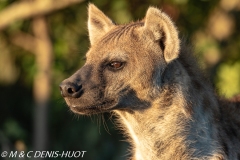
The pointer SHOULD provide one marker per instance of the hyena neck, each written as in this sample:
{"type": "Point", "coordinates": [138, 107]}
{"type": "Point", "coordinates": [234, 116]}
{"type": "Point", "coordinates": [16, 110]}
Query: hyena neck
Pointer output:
{"type": "Point", "coordinates": [180, 123]}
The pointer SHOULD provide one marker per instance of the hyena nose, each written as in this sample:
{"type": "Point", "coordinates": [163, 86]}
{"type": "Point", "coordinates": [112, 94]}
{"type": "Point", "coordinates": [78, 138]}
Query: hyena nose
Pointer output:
{"type": "Point", "coordinates": [69, 89]}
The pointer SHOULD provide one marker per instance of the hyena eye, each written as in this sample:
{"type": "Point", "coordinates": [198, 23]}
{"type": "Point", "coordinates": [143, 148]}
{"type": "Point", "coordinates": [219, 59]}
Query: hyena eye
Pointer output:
{"type": "Point", "coordinates": [116, 65]}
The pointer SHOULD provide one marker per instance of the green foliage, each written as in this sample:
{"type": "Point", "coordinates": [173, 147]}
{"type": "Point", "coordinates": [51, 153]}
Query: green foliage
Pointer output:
{"type": "Point", "coordinates": [13, 129]}
{"type": "Point", "coordinates": [121, 11]}
{"type": "Point", "coordinates": [228, 79]}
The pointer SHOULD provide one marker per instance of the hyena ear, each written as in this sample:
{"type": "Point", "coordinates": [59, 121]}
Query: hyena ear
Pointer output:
{"type": "Point", "coordinates": [160, 28]}
{"type": "Point", "coordinates": [98, 23]}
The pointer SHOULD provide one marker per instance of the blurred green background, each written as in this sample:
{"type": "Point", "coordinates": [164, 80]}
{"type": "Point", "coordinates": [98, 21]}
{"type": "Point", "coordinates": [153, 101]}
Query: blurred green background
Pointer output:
{"type": "Point", "coordinates": [29, 121]}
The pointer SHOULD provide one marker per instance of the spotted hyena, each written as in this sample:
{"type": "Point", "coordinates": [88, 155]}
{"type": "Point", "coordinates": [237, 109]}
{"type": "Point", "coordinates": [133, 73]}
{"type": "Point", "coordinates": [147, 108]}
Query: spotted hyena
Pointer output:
{"type": "Point", "coordinates": [142, 73]}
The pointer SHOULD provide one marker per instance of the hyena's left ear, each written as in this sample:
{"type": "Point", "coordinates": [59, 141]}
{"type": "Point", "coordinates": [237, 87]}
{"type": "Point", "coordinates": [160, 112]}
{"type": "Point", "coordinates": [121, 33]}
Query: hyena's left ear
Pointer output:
{"type": "Point", "coordinates": [160, 28]}
{"type": "Point", "coordinates": [98, 23]}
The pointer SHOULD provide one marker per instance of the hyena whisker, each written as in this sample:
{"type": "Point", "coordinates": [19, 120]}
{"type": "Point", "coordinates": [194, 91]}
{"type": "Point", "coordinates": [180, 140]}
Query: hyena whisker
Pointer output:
{"type": "Point", "coordinates": [105, 124]}
{"type": "Point", "coordinates": [91, 118]}
{"type": "Point", "coordinates": [111, 118]}
{"type": "Point", "coordinates": [76, 116]}
{"type": "Point", "coordinates": [99, 123]}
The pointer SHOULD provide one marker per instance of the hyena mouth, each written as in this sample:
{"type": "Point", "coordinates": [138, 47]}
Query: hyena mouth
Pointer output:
{"type": "Point", "coordinates": [94, 109]}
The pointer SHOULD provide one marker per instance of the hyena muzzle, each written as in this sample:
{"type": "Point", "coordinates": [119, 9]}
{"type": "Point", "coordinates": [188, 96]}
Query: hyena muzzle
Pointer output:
{"type": "Point", "coordinates": [140, 72]}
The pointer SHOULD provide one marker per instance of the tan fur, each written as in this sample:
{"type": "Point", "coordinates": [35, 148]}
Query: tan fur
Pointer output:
{"type": "Point", "coordinates": [162, 101]}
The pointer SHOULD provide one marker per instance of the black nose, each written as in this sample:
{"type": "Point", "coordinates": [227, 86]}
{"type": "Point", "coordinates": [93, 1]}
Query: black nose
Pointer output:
{"type": "Point", "coordinates": [69, 89]}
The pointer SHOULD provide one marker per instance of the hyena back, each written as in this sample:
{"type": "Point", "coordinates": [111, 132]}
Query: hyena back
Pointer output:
{"type": "Point", "coordinates": [140, 72]}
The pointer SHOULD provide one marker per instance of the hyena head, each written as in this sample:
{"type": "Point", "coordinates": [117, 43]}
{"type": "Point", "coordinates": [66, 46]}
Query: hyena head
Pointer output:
{"type": "Point", "coordinates": [124, 64]}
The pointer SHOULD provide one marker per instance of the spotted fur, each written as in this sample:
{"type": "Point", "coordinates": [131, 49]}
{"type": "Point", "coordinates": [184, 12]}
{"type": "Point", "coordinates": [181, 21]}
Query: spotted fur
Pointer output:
{"type": "Point", "coordinates": [166, 107]}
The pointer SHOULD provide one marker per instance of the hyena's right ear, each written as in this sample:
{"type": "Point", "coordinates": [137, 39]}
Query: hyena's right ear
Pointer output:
{"type": "Point", "coordinates": [159, 27]}
{"type": "Point", "coordinates": [98, 23]}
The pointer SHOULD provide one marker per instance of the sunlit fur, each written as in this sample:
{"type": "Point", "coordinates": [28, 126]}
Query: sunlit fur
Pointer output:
{"type": "Point", "coordinates": [163, 103]}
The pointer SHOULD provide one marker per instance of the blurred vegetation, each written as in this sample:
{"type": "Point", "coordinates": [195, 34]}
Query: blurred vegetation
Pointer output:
{"type": "Point", "coordinates": [211, 26]}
